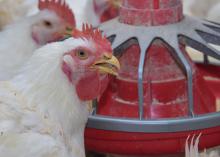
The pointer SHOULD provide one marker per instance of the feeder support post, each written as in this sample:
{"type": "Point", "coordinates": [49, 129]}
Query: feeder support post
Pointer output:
{"type": "Point", "coordinates": [151, 12]}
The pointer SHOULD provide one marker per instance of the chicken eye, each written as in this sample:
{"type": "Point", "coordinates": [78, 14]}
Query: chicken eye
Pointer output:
{"type": "Point", "coordinates": [82, 54]}
{"type": "Point", "coordinates": [47, 24]}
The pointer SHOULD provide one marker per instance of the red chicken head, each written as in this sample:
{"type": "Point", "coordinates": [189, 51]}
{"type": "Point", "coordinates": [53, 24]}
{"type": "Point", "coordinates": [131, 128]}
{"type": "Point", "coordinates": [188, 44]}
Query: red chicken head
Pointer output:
{"type": "Point", "coordinates": [87, 66]}
{"type": "Point", "coordinates": [51, 23]}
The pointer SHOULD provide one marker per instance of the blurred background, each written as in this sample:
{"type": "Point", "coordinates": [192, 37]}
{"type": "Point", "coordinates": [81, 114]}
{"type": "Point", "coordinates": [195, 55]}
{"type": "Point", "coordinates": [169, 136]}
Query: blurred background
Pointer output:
{"type": "Point", "coordinates": [97, 11]}
{"type": "Point", "coordinates": [90, 10]}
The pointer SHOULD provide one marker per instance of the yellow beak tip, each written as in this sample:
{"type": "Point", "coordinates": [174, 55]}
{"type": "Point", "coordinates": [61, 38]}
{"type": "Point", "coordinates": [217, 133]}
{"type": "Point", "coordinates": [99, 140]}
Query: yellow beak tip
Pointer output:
{"type": "Point", "coordinates": [108, 64]}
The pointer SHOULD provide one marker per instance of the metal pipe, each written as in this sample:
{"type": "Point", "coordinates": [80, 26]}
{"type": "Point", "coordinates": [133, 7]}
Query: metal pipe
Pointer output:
{"type": "Point", "coordinates": [155, 126]}
{"type": "Point", "coordinates": [140, 84]}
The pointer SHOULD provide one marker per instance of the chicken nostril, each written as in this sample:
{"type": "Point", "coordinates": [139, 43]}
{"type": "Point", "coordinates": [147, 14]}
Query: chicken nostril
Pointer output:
{"type": "Point", "coordinates": [107, 56]}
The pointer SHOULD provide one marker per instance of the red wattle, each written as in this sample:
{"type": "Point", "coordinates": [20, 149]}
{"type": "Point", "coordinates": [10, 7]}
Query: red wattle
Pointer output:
{"type": "Point", "coordinates": [91, 86]}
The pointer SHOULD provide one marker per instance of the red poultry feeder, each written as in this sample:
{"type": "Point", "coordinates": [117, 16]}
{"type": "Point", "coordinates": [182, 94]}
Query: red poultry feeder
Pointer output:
{"type": "Point", "coordinates": [161, 96]}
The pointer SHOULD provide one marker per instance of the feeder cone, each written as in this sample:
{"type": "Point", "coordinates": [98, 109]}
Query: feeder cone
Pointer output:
{"type": "Point", "coordinates": [161, 95]}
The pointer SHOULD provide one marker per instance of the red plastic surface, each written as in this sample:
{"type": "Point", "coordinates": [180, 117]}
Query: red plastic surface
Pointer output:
{"type": "Point", "coordinates": [146, 144]}
{"type": "Point", "coordinates": [207, 93]}
{"type": "Point", "coordinates": [151, 12]}
{"type": "Point", "coordinates": [145, 12]}
{"type": "Point", "coordinates": [165, 89]}
{"type": "Point", "coordinates": [110, 13]}
{"type": "Point", "coordinates": [156, 143]}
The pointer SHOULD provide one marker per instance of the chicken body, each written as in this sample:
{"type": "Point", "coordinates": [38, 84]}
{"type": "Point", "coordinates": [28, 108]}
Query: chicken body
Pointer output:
{"type": "Point", "coordinates": [13, 10]}
{"type": "Point", "coordinates": [90, 15]}
{"type": "Point", "coordinates": [203, 9]}
{"type": "Point", "coordinates": [20, 39]}
{"type": "Point", "coordinates": [78, 7]}
{"type": "Point", "coordinates": [42, 114]}
{"type": "Point", "coordinates": [16, 123]}
{"type": "Point", "coordinates": [29, 130]}
{"type": "Point", "coordinates": [99, 11]}
{"type": "Point", "coordinates": [16, 48]}
{"type": "Point", "coordinates": [214, 13]}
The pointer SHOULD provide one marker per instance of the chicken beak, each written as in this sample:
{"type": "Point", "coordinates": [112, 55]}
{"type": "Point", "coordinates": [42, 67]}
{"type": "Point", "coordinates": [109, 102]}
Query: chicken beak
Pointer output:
{"type": "Point", "coordinates": [69, 31]}
{"type": "Point", "coordinates": [108, 64]}
{"type": "Point", "coordinates": [116, 3]}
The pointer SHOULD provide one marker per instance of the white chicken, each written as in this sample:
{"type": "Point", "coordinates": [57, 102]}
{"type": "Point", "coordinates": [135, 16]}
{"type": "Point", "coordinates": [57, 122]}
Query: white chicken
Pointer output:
{"type": "Point", "coordinates": [13, 10]}
{"type": "Point", "coordinates": [199, 8]}
{"type": "Point", "coordinates": [78, 7]}
{"type": "Point", "coordinates": [98, 11]}
{"type": "Point", "coordinates": [19, 40]}
{"type": "Point", "coordinates": [203, 9]}
{"type": "Point", "coordinates": [214, 13]}
{"type": "Point", "coordinates": [43, 108]}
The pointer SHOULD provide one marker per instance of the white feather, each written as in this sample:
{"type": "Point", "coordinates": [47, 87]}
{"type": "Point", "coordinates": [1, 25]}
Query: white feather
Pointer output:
{"type": "Point", "coordinates": [193, 151]}
{"type": "Point", "coordinates": [214, 13]}
{"type": "Point", "coordinates": [90, 16]}
{"type": "Point", "coordinates": [15, 49]}
{"type": "Point", "coordinates": [41, 115]}
{"type": "Point", "coordinates": [84, 11]}
{"type": "Point", "coordinates": [13, 10]}
{"type": "Point", "coordinates": [205, 9]}
{"type": "Point", "coordinates": [78, 7]}
{"type": "Point", "coordinates": [17, 45]}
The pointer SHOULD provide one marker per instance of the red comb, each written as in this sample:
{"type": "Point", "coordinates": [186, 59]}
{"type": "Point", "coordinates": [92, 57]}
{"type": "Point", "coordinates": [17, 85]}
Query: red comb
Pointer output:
{"type": "Point", "coordinates": [92, 34]}
{"type": "Point", "coordinates": [89, 33]}
{"type": "Point", "coordinates": [60, 8]}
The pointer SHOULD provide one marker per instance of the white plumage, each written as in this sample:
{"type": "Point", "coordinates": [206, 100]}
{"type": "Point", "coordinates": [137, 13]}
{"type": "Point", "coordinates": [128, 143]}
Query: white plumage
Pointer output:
{"type": "Point", "coordinates": [90, 15]}
{"type": "Point", "coordinates": [214, 13]}
{"type": "Point", "coordinates": [41, 115]}
{"type": "Point", "coordinates": [20, 39]}
{"type": "Point", "coordinates": [78, 7]}
{"type": "Point", "coordinates": [85, 13]}
{"type": "Point", "coordinates": [16, 48]}
{"type": "Point", "coordinates": [203, 9]}
{"type": "Point", "coordinates": [192, 149]}
{"type": "Point", "coordinates": [13, 10]}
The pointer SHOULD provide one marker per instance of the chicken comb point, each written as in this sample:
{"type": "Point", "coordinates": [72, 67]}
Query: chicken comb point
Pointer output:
{"type": "Point", "coordinates": [95, 33]}
{"type": "Point", "coordinates": [61, 8]}
{"type": "Point", "coordinates": [90, 33]}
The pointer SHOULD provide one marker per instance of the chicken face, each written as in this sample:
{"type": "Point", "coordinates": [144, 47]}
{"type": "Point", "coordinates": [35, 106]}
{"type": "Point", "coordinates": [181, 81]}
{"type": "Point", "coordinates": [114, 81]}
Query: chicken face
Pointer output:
{"type": "Point", "coordinates": [52, 22]}
{"type": "Point", "coordinates": [48, 28]}
{"type": "Point", "coordinates": [87, 66]}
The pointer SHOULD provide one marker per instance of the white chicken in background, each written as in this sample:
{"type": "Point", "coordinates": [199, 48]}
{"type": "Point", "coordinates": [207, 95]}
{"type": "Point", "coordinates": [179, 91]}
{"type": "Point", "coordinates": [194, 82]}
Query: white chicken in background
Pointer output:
{"type": "Point", "coordinates": [78, 7]}
{"type": "Point", "coordinates": [43, 108]}
{"type": "Point", "coordinates": [205, 9]}
{"type": "Point", "coordinates": [94, 11]}
{"type": "Point", "coordinates": [214, 13]}
{"type": "Point", "coordinates": [19, 40]}
{"type": "Point", "coordinates": [13, 10]}
{"type": "Point", "coordinates": [98, 11]}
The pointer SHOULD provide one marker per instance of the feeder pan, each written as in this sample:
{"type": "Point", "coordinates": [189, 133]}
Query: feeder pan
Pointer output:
{"type": "Point", "coordinates": [161, 96]}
